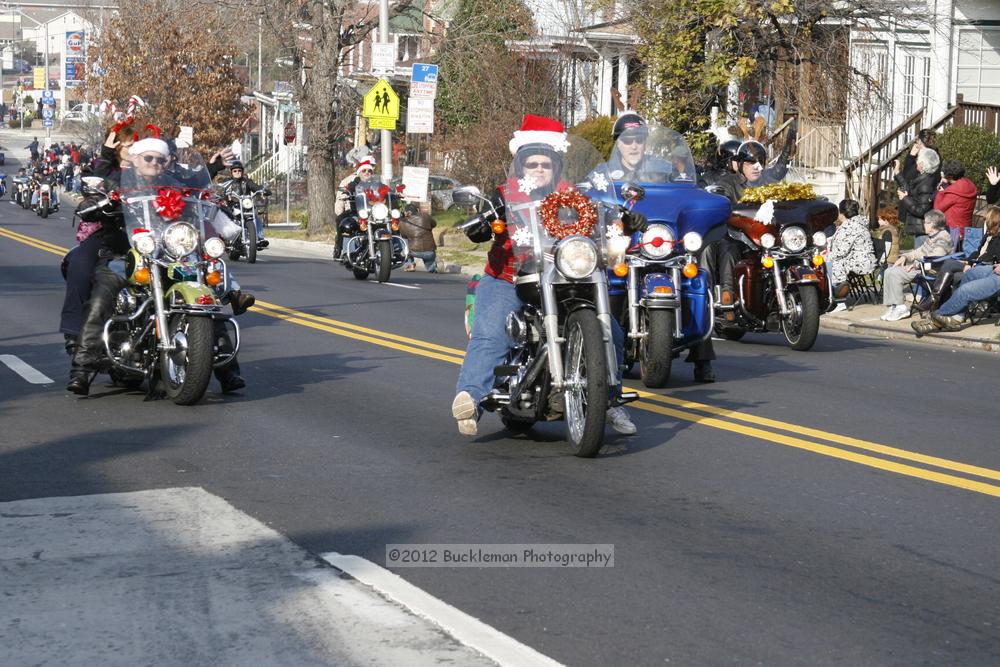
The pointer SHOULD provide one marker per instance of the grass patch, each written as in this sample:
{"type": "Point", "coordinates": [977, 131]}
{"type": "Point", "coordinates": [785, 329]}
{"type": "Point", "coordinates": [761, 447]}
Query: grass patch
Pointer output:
{"type": "Point", "coordinates": [451, 217]}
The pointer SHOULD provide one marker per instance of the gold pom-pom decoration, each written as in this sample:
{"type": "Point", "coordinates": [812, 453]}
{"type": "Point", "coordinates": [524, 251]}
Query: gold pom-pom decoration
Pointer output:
{"type": "Point", "coordinates": [778, 192]}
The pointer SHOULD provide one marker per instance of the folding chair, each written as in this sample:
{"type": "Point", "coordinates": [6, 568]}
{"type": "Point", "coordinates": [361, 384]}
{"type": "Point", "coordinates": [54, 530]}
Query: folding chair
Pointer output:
{"type": "Point", "coordinates": [927, 270]}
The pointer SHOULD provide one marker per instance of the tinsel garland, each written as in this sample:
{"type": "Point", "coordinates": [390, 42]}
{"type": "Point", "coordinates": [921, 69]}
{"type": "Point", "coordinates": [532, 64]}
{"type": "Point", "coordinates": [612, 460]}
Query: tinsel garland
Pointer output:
{"type": "Point", "coordinates": [585, 211]}
{"type": "Point", "coordinates": [778, 192]}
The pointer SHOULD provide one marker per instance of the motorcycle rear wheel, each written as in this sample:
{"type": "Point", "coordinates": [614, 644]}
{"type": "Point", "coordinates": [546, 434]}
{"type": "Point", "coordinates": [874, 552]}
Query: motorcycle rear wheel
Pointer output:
{"type": "Point", "coordinates": [384, 251]}
{"type": "Point", "coordinates": [801, 326]}
{"type": "Point", "coordinates": [656, 349]}
{"type": "Point", "coordinates": [586, 378]}
{"type": "Point", "coordinates": [187, 370]}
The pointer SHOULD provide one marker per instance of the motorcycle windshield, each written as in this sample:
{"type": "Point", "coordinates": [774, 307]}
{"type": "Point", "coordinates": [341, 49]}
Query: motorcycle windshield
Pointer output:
{"type": "Point", "coordinates": [158, 192]}
{"type": "Point", "coordinates": [651, 154]}
{"type": "Point", "coordinates": [546, 202]}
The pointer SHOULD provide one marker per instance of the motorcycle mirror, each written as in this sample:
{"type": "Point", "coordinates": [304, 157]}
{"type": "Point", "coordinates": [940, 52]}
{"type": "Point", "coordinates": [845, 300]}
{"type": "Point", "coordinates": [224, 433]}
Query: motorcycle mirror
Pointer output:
{"type": "Point", "coordinates": [715, 190]}
{"type": "Point", "coordinates": [633, 193]}
{"type": "Point", "coordinates": [93, 182]}
{"type": "Point", "coordinates": [467, 194]}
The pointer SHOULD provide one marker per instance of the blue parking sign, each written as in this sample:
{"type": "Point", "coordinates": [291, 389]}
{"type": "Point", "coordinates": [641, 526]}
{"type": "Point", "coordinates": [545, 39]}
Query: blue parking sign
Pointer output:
{"type": "Point", "coordinates": [47, 97]}
{"type": "Point", "coordinates": [422, 73]}
{"type": "Point", "coordinates": [48, 122]}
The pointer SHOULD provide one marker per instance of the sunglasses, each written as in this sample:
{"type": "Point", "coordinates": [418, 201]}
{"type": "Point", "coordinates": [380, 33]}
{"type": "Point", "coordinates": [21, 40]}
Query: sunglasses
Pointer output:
{"type": "Point", "coordinates": [367, 171]}
{"type": "Point", "coordinates": [152, 158]}
{"type": "Point", "coordinates": [537, 165]}
{"type": "Point", "coordinates": [628, 141]}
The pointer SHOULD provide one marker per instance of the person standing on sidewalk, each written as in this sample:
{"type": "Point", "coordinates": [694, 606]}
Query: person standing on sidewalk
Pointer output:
{"type": "Point", "coordinates": [417, 228]}
{"type": "Point", "coordinates": [956, 198]}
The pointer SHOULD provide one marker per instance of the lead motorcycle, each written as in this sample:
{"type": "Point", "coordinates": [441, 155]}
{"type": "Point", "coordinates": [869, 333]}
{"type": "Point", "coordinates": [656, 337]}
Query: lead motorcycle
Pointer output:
{"type": "Point", "coordinates": [373, 243]}
{"type": "Point", "coordinates": [780, 281]}
{"type": "Point", "coordinates": [562, 363]}
{"type": "Point", "coordinates": [668, 305]}
{"type": "Point", "coordinates": [163, 329]}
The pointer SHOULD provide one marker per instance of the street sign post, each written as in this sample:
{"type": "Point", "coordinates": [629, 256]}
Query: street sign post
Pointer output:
{"type": "Point", "coordinates": [383, 58]}
{"type": "Point", "coordinates": [48, 123]}
{"type": "Point", "coordinates": [419, 115]}
{"type": "Point", "coordinates": [381, 106]}
{"type": "Point", "coordinates": [423, 81]}
{"type": "Point", "coordinates": [48, 113]}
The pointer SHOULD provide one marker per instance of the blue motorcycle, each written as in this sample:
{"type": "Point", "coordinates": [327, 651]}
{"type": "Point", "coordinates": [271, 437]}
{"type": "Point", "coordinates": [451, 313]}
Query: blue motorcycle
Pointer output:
{"type": "Point", "coordinates": [664, 299]}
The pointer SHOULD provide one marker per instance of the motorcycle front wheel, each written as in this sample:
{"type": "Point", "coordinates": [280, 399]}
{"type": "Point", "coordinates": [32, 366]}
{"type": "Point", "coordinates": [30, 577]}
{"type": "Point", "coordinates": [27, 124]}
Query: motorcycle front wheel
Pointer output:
{"type": "Point", "coordinates": [656, 349]}
{"type": "Point", "coordinates": [43, 210]}
{"type": "Point", "coordinates": [251, 242]}
{"type": "Point", "coordinates": [801, 325]}
{"type": "Point", "coordinates": [384, 250]}
{"type": "Point", "coordinates": [187, 369]}
{"type": "Point", "coordinates": [586, 383]}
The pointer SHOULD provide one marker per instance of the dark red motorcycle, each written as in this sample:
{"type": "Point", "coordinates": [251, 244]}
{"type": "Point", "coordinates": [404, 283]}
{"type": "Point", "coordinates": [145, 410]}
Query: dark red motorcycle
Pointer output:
{"type": "Point", "coordinates": [780, 281]}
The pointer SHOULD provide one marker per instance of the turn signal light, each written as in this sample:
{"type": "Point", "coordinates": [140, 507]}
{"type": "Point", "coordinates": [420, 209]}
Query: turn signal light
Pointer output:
{"type": "Point", "coordinates": [363, 225]}
{"type": "Point", "coordinates": [394, 225]}
{"type": "Point", "coordinates": [818, 260]}
{"type": "Point", "coordinates": [499, 227]}
{"type": "Point", "coordinates": [621, 269]}
{"type": "Point", "coordinates": [213, 278]}
{"type": "Point", "coordinates": [690, 270]}
{"type": "Point", "coordinates": [141, 276]}
{"type": "Point", "coordinates": [768, 262]}
{"type": "Point", "coordinates": [663, 289]}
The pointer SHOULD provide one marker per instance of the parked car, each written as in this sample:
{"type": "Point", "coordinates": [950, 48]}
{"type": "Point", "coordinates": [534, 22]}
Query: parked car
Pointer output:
{"type": "Point", "coordinates": [440, 187]}
{"type": "Point", "coordinates": [76, 114]}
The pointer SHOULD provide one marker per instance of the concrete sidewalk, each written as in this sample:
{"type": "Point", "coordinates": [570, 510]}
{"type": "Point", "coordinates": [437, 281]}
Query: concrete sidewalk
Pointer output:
{"type": "Point", "coordinates": [864, 319]}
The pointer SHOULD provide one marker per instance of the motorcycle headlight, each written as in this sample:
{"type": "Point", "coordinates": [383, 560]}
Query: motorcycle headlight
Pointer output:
{"type": "Point", "coordinates": [657, 241]}
{"type": "Point", "coordinates": [794, 239]}
{"type": "Point", "coordinates": [767, 241]}
{"type": "Point", "coordinates": [380, 211]}
{"type": "Point", "coordinates": [214, 247]}
{"type": "Point", "coordinates": [180, 239]}
{"type": "Point", "coordinates": [576, 257]}
{"type": "Point", "coordinates": [819, 239]}
{"type": "Point", "coordinates": [144, 243]}
{"type": "Point", "coordinates": [363, 214]}
{"type": "Point", "coordinates": [395, 214]}
{"type": "Point", "coordinates": [247, 203]}
{"type": "Point", "coordinates": [692, 241]}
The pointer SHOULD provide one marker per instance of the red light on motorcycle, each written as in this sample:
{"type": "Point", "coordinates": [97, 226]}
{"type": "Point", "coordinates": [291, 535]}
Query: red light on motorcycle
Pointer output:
{"type": "Point", "coordinates": [690, 270]}
{"type": "Point", "coordinates": [663, 289]}
{"type": "Point", "coordinates": [621, 269]}
{"type": "Point", "coordinates": [809, 276]}
{"type": "Point", "coordinates": [768, 262]}
{"type": "Point", "coordinates": [499, 227]}
{"type": "Point", "coordinates": [394, 225]}
{"type": "Point", "coordinates": [362, 225]}
{"type": "Point", "coordinates": [141, 276]}
{"type": "Point", "coordinates": [213, 278]}
{"type": "Point", "coordinates": [205, 300]}
{"type": "Point", "coordinates": [114, 196]}
{"type": "Point", "coordinates": [818, 260]}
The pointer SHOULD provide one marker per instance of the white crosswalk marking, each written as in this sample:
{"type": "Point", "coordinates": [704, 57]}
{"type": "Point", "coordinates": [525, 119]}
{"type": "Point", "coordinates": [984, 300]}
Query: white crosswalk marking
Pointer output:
{"type": "Point", "coordinates": [23, 369]}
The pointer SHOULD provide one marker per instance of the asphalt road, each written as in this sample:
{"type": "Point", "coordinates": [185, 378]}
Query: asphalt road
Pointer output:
{"type": "Point", "coordinates": [837, 506]}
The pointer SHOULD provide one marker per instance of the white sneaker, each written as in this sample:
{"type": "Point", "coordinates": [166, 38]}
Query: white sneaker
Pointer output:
{"type": "Point", "coordinates": [887, 313]}
{"type": "Point", "coordinates": [463, 409]}
{"type": "Point", "coordinates": [620, 421]}
{"type": "Point", "coordinates": [841, 307]}
{"type": "Point", "coordinates": [900, 312]}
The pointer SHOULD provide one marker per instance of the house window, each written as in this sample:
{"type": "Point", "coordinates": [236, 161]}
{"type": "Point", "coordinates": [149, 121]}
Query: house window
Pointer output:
{"type": "Point", "coordinates": [916, 82]}
{"type": "Point", "coordinates": [407, 48]}
{"type": "Point", "coordinates": [979, 65]}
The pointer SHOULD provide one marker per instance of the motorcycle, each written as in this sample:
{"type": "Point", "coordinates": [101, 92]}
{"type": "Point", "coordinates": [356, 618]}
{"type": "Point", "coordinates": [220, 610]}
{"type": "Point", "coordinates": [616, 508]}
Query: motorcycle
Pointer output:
{"type": "Point", "coordinates": [3, 184]}
{"type": "Point", "coordinates": [780, 282]}
{"type": "Point", "coordinates": [562, 362]}
{"type": "Point", "coordinates": [21, 194]}
{"type": "Point", "coordinates": [667, 305]}
{"type": "Point", "coordinates": [373, 243]}
{"type": "Point", "coordinates": [243, 211]}
{"type": "Point", "coordinates": [163, 329]}
{"type": "Point", "coordinates": [44, 190]}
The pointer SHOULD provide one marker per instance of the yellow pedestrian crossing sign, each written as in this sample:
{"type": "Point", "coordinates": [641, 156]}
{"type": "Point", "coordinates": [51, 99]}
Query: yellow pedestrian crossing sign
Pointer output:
{"type": "Point", "coordinates": [381, 106]}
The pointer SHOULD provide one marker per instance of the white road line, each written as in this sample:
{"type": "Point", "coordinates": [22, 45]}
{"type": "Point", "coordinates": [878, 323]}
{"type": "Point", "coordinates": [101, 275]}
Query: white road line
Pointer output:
{"type": "Point", "coordinates": [24, 370]}
{"type": "Point", "coordinates": [395, 284]}
{"type": "Point", "coordinates": [466, 629]}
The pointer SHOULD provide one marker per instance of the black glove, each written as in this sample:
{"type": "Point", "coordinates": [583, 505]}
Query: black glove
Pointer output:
{"type": "Point", "coordinates": [634, 222]}
{"type": "Point", "coordinates": [480, 229]}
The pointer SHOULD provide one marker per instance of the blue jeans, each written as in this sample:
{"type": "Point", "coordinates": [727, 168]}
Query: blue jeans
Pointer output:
{"type": "Point", "coordinates": [428, 256]}
{"type": "Point", "coordinates": [489, 343]}
{"type": "Point", "coordinates": [978, 283]}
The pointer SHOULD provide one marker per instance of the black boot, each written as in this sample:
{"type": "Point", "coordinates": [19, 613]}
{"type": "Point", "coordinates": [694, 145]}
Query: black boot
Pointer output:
{"type": "Point", "coordinates": [703, 371]}
{"type": "Point", "coordinates": [89, 355]}
{"type": "Point", "coordinates": [229, 375]}
{"type": "Point", "coordinates": [71, 343]}
{"type": "Point", "coordinates": [79, 379]}
{"type": "Point", "coordinates": [240, 301]}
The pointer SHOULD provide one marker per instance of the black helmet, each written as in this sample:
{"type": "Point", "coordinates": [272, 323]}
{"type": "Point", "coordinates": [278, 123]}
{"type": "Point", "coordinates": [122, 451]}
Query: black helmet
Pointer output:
{"type": "Point", "coordinates": [751, 151]}
{"type": "Point", "coordinates": [629, 121]}
{"type": "Point", "coordinates": [236, 165]}
{"type": "Point", "coordinates": [726, 153]}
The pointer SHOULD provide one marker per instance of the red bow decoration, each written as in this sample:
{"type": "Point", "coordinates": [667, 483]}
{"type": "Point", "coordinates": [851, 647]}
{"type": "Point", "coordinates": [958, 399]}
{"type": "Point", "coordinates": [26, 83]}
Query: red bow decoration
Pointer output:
{"type": "Point", "coordinates": [383, 192]}
{"type": "Point", "coordinates": [169, 204]}
{"type": "Point", "coordinates": [375, 197]}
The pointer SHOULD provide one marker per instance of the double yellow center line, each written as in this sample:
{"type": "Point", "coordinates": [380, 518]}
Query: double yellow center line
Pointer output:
{"type": "Point", "coordinates": [846, 448]}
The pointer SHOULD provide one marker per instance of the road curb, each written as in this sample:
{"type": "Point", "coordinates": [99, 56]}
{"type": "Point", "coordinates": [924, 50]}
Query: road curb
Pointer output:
{"type": "Point", "coordinates": [939, 339]}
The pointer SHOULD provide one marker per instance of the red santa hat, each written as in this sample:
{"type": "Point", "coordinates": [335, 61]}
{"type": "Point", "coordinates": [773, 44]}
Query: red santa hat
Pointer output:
{"type": "Point", "coordinates": [540, 130]}
{"type": "Point", "coordinates": [367, 163]}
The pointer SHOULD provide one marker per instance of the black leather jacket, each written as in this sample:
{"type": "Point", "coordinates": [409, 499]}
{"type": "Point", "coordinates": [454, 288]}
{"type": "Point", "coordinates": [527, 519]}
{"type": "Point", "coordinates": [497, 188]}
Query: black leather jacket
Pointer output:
{"type": "Point", "coordinates": [918, 200]}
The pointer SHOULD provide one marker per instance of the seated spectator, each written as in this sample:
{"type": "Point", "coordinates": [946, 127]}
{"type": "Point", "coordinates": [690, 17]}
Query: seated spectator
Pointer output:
{"type": "Point", "coordinates": [993, 192]}
{"type": "Point", "coordinates": [417, 229]}
{"type": "Point", "coordinates": [851, 249]}
{"type": "Point", "coordinates": [956, 198]}
{"type": "Point", "coordinates": [979, 283]}
{"type": "Point", "coordinates": [888, 221]}
{"type": "Point", "coordinates": [953, 271]}
{"type": "Point", "coordinates": [904, 269]}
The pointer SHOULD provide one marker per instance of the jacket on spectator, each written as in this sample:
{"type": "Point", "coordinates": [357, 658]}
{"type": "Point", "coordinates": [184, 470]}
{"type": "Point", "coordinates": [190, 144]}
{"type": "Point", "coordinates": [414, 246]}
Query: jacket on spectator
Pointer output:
{"type": "Point", "coordinates": [894, 236]}
{"type": "Point", "coordinates": [851, 249]}
{"type": "Point", "coordinates": [988, 251]}
{"type": "Point", "coordinates": [957, 201]}
{"type": "Point", "coordinates": [918, 200]}
{"type": "Point", "coordinates": [993, 194]}
{"type": "Point", "coordinates": [416, 229]}
{"type": "Point", "coordinates": [936, 245]}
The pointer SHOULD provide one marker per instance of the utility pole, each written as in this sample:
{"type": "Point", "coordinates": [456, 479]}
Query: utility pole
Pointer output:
{"type": "Point", "coordinates": [386, 143]}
